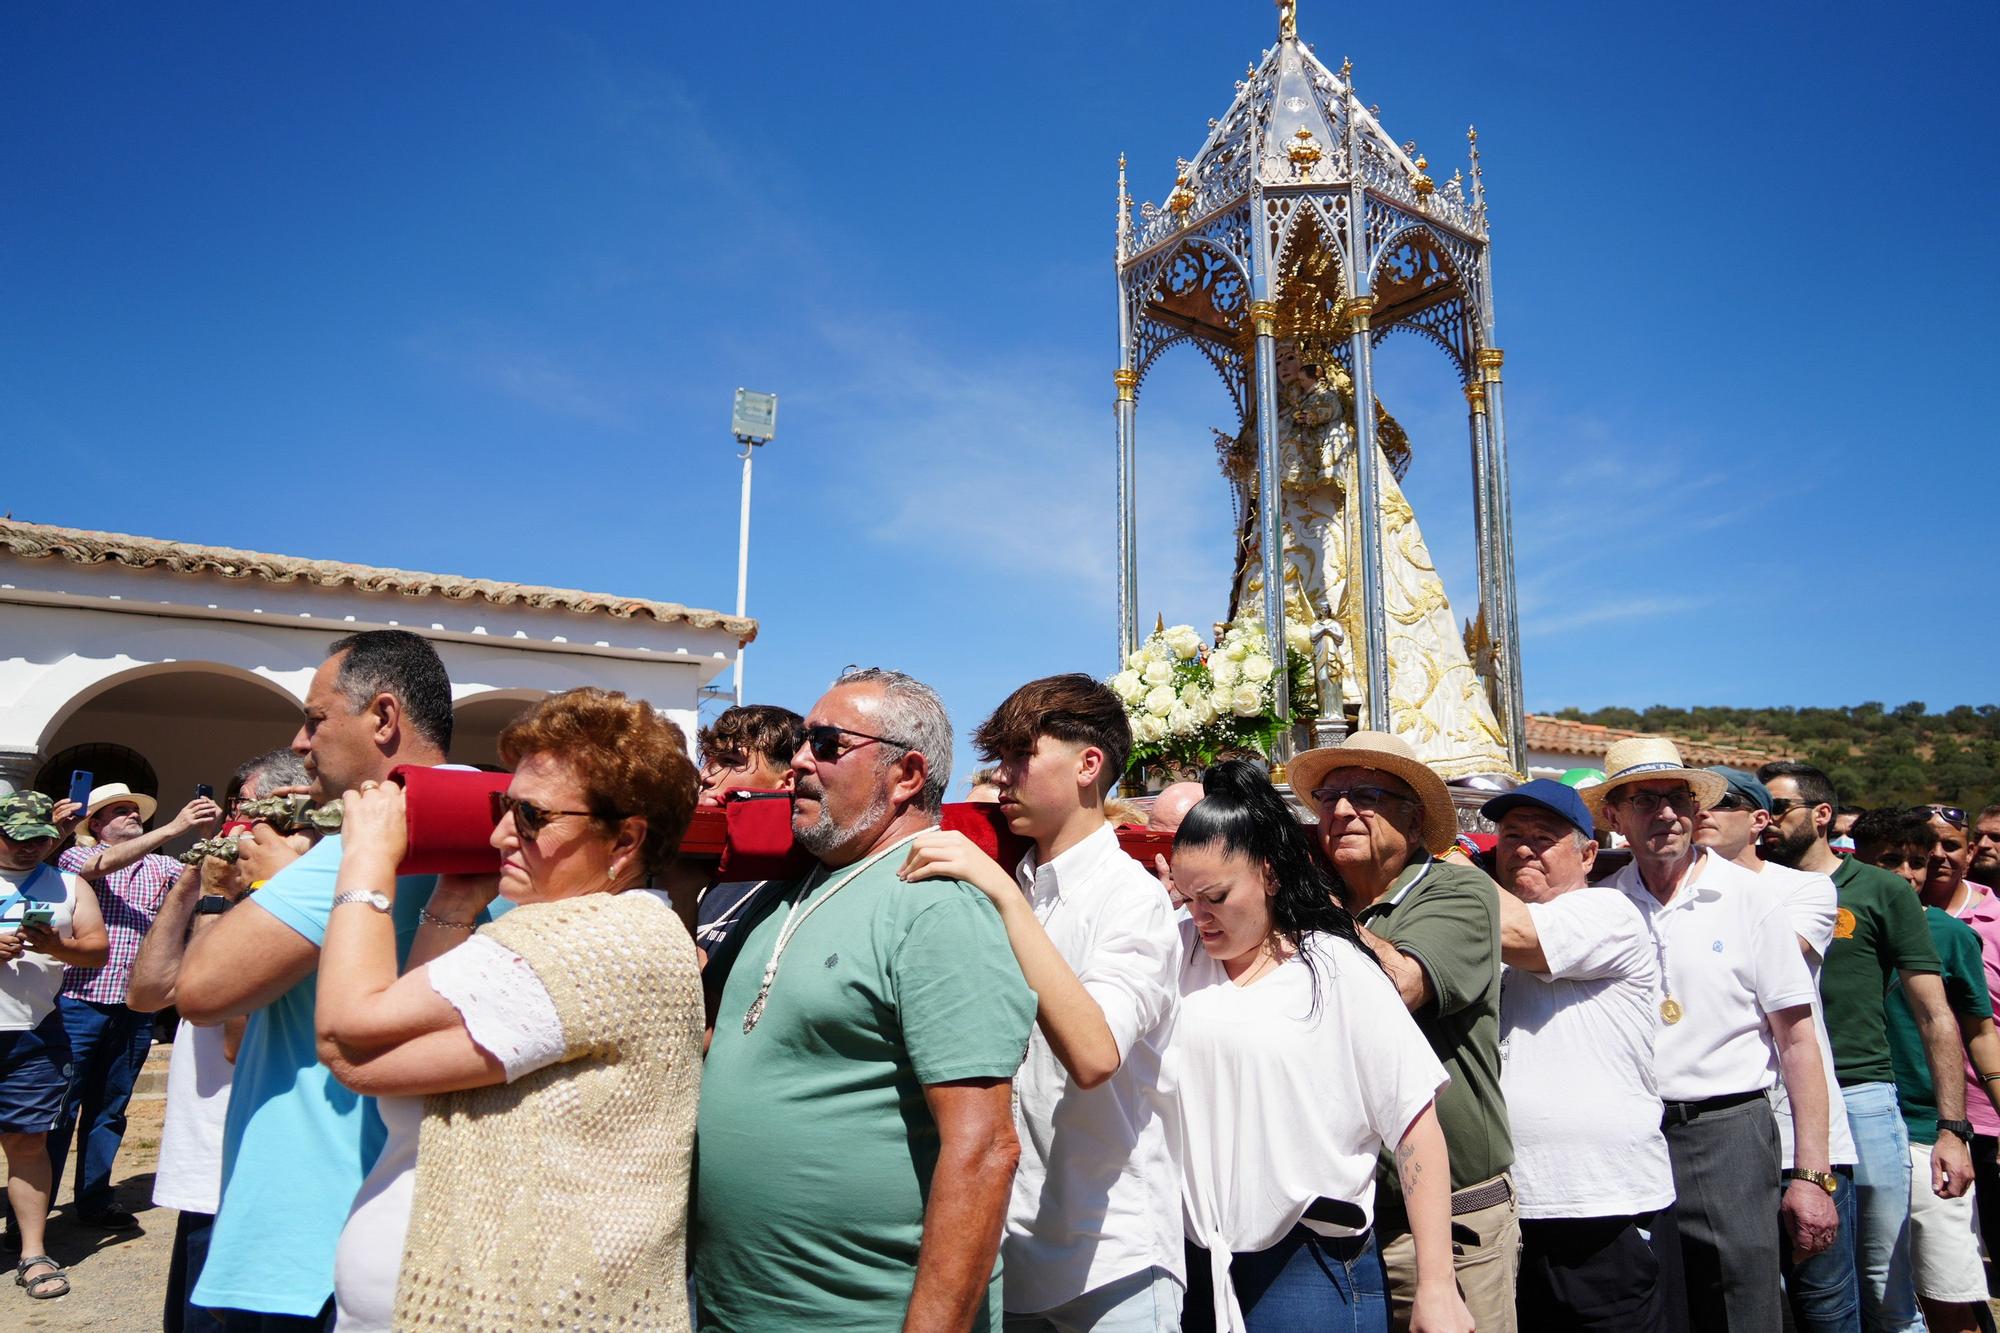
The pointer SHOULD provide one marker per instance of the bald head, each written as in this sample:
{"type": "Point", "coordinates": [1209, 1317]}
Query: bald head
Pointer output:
{"type": "Point", "coordinates": [1170, 807]}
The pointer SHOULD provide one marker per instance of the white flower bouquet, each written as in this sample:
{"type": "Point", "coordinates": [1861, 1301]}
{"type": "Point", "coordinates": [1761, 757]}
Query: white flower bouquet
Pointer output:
{"type": "Point", "coordinates": [1189, 703]}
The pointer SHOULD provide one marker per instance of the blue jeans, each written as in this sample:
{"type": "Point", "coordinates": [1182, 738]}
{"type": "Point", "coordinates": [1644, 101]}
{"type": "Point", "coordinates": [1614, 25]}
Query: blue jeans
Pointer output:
{"type": "Point", "coordinates": [1304, 1282]}
{"type": "Point", "coordinates": [1824, 1291]}
{"type": "Point", "coordinates": [1148, 1301]}
{"type": "Point", "coordinates": [108, 1046]}
{"type": "Point", "coordinates": [183, 1271]}
{"type": "Point", "coordinates": [1882, 1209]}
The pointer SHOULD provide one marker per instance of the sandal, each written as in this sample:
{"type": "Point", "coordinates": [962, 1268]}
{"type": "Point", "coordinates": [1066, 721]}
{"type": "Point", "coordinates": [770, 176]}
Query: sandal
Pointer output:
{"type": "Point", "coordinates": [37, 1286]}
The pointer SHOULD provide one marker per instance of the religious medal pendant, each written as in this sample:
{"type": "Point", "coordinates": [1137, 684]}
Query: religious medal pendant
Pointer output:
{"type": "Point", "coordinates": [756, 1011]}
{"type": "Point", "coordinates": [1670, 1011]}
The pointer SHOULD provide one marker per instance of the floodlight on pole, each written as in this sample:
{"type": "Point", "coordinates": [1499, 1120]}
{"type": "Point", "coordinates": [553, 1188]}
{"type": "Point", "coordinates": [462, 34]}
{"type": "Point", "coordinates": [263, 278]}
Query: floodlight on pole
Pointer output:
{"type": "Point", "coordinates": [753, 421]}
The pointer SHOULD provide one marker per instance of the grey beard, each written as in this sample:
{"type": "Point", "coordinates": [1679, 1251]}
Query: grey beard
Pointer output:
{"type": "Point", "coordinates": [823, 837]}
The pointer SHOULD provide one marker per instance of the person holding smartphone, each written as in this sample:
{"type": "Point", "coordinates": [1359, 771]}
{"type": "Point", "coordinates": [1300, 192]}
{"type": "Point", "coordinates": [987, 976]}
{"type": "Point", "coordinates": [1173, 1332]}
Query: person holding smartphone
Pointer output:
{"type": "Point", "coordinates": [48, 921]}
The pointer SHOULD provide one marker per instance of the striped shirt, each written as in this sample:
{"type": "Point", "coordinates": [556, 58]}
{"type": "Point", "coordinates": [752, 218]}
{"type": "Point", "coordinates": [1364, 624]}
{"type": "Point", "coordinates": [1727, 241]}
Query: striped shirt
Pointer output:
{"type": "Point", "coordinates": [129, 900]}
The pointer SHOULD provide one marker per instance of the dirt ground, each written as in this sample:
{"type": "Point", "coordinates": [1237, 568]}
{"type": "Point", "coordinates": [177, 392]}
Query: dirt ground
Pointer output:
{"type": "Point", "coordinates": [116, 1281]}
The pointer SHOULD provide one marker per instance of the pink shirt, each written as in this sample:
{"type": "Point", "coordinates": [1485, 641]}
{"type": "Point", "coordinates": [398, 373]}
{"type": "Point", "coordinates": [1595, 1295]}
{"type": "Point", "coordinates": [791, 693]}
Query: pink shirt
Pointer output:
{"type": "Point", "coordinates": [1982, 913]}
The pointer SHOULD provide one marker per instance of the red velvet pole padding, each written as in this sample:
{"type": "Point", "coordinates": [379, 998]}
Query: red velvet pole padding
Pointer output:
{"type": "Point", "coordinates": [451, 819]}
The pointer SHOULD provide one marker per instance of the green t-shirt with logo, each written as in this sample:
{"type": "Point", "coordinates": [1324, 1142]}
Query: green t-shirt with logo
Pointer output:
{"type": "Point", "coordinates": [1964, 975]}
{"type": "Point", "coordinates": [1878, 930]}
{"type": "Point", "coordinates": [815, 1147]}
{"type": "Point", "coordinates": [1447, 917]}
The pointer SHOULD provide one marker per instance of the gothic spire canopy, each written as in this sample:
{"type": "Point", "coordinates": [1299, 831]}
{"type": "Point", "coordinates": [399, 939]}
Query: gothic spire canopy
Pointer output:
{"type": "Point", "coordinates": [1300, 232]}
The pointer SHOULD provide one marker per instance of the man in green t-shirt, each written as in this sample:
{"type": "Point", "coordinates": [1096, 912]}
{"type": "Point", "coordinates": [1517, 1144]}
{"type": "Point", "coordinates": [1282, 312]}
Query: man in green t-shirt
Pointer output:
{"type": "Point", "coordinates": [855, 1149]}
{"type": "Point", "coordinates": [1879, 937]}
{"type": "Point", "coordinates": [1435, 926]}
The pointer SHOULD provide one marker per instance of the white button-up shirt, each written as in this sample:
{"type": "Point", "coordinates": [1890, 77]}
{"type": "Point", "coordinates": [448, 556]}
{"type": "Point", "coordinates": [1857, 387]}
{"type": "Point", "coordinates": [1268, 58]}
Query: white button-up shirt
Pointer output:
{"type": "Point", "coordinates": [1096, 1196]}
{"type": "Point", "coordinates": [1728, 958]}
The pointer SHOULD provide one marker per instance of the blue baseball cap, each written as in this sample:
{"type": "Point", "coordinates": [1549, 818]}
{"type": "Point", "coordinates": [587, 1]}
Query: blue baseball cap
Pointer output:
{"type": "Point", "coordinates": [1547, 794]}
{"type": "Point", "coordinates": [1744, 785]}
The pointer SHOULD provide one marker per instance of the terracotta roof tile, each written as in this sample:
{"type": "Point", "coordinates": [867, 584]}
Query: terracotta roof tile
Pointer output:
{"type": "Point", "coordinates": [1563, 736]}
{"type": "Point", "coordinates": [41, 541]}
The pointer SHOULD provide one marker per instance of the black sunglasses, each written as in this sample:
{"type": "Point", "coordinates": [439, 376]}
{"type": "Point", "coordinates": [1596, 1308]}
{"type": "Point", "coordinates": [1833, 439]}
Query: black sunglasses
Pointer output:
{"type": "Point", "coordinates": [1950, 814]}
{"type": "Point", "coordinates": [823, 741]}
{"type": "Point", "coordinates": [530, 819]}
{"type": "Point", "coordinates": [1365, 800]}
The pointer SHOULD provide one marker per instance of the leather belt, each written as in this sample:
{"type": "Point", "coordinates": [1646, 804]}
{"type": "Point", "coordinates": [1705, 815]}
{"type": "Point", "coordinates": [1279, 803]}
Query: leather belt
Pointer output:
{"type": "Point", "coordinates": [1485, 1194]}
{"type": "Point", "coordinates": [1681, 1113]}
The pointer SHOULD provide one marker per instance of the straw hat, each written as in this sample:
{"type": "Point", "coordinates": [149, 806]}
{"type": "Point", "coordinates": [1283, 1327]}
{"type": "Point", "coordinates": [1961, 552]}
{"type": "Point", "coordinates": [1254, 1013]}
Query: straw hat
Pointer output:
{"type": "Point", "coordinates": [1386, 754]}
{"type": "Point", "coordinates": [1650, 759]}
{"type": "Point", "coordinates": [114, 793]}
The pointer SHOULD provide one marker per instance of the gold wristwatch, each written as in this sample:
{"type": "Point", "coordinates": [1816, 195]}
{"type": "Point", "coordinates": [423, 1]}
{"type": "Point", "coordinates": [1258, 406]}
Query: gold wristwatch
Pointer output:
{"type": "Point", "coordinates": [1826, 1180]}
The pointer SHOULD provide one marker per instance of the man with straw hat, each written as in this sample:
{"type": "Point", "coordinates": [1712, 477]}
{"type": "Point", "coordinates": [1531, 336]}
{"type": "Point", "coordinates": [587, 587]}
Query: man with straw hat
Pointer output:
{"type": "Point", "coordinates": [1735, 1013]}
{"type": "Point", "coordinates": [108, 1039]}
{"type": "Point", "coordinates": [1385, 819]}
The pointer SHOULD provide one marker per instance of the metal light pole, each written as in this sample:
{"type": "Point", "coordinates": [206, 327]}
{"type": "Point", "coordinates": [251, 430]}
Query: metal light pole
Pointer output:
{"type": "Point", "coordinates": [753, 421]}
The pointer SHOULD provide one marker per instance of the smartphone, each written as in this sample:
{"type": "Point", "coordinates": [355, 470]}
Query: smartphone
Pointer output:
{"type": "Point", "coordinates": [203, 791]}
{"type": "Point", "coordinates": [80, 781]}
{"type": "Point", "coordinates": [38, 914]}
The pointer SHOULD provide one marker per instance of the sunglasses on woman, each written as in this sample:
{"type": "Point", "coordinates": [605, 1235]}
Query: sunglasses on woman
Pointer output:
{"type": "Point", "coordinates": [530, 819]}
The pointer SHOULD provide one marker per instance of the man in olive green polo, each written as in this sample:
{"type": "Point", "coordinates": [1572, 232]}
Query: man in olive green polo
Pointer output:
{"type": "Point", "coordinates": [1435, 925]}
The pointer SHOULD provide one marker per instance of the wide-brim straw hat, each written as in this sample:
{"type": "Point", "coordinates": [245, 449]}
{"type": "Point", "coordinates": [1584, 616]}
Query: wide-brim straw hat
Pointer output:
{"type": "Point", "coordinates": [1387, 754]}
{"type": "Point", "coordinates": [115, 793]}
{"type": "Point", "coordinates": [1651, 759]}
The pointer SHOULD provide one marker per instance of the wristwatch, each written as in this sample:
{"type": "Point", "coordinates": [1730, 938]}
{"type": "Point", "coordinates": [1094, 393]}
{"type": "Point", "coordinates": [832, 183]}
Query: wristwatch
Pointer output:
{"type": "Point", "coordinates": [1962, 1128]}
{"type": "Point", "coordinates": [212, 904]}
{"type": "Point", "coordinates": [1826, 1180]}
{"type": "Point", "coordinates": [378, 901]}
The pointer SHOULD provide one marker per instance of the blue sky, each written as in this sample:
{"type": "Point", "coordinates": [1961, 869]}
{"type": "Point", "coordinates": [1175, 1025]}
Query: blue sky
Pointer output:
{"type": "Point", "coordinates": [467, 288]}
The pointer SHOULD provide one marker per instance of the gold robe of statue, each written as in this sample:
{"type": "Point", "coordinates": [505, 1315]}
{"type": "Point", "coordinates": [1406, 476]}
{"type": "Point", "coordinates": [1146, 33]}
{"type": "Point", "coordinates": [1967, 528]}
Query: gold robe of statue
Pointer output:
{"type": "Point", "coordinates": [1437, 701]}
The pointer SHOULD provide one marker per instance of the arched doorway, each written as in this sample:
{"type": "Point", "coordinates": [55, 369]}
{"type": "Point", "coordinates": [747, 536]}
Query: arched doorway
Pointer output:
{"type": "Point", "coordinates": [191, 722]}
{"type": "Point", "coordinates": [478, 720]}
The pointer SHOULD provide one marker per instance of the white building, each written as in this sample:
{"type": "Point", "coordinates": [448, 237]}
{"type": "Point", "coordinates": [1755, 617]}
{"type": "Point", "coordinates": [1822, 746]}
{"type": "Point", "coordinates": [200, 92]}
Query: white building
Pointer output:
{"type": "Point", "coordinates": [165, 665]}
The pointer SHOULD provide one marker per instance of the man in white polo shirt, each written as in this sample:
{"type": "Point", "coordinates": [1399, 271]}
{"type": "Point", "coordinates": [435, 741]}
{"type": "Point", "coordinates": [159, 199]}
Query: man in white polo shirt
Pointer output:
{"type": "Point", "coordinates": [1824, 1291]}
{"type": "Point", "coordinates": [1735, 1015]}
{"type": "Point", "coordinates": [1577, 1014]}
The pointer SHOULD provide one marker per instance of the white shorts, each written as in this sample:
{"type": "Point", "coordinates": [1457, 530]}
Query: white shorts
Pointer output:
{"type": "Point", "coordinates": [1944, 1238]}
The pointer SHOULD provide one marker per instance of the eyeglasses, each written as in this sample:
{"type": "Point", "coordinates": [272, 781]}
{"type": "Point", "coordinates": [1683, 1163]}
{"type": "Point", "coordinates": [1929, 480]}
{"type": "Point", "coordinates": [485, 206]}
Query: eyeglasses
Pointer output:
{"type": "Point", "coordinates": [1782, 806]}
{"type": "Point", "coordinates": [1365, 800]}
{"type": "Point", "coordinates": [1950, 814]}
{"type": "Point", "coordinates": [530, 819]}
{"type": "Point", "coordinates": [1646, 804]}
{"type": "Point", "coordinates": [823, 741]}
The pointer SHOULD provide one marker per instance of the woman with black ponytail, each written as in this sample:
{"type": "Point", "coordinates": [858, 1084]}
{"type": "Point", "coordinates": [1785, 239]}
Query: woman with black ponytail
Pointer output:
{"type": "Point", "coordinates": [1292, 1064]}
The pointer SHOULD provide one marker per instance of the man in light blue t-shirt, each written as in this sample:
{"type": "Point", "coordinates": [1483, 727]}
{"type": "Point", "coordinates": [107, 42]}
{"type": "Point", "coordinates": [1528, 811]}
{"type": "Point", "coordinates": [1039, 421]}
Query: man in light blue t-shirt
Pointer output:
{"type": "Point", "coordinates": [297, 1144]}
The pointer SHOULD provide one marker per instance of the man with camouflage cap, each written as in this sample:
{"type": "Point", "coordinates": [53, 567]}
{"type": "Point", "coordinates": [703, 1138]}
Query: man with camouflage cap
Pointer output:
{"type": "Point", "coordinates": [48, 921]}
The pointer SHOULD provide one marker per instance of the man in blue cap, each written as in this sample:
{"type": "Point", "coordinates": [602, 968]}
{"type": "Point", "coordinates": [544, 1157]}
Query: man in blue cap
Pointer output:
{"type": "Point", "coordinates": [1576, 1048]}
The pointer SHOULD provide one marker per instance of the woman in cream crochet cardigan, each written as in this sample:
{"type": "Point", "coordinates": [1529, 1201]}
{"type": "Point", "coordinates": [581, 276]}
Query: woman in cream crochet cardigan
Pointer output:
{"type": "Point", "coordinates": [546, 1069]}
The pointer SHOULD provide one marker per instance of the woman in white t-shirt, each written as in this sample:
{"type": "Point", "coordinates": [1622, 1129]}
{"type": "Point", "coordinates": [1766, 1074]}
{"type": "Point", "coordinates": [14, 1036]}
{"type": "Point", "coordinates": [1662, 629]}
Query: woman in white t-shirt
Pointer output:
{"type": "Point", "coordinates": [1292, 1065]}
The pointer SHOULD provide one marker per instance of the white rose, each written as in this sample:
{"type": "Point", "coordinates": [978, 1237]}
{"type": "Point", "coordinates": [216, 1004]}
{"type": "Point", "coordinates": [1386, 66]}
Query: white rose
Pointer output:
{"type": "Point", "coordinates": [1247, 701]}
{"type": "Point", "coordinates": [1257, 668]}
{"type": "Point", "coordinates": [1182, 721]}
{"type": "Point", "coordinates": [1184, 642]}
{"type": "Point", "coordinates": [1298, 636]}
{"type": "Point", "coordinates": [1159, 700]}
{"type": "Point", "coordinates": [1205, 710]}
{"type": "Point", "coordinates": [1237, 650]}
{"type": "Point", "coordinates": [1127, 686]}
{"type": "Point", "coordinates": [1158, 673]}
{"type": "Point", "coordinates": [1223, 670]}
{"type": "Point", "coordinates": [1148, 730]}
{"type": "Point", "coordinates": [1136, 661]}
{"type": "Point", "coordinates": [1191, 693]}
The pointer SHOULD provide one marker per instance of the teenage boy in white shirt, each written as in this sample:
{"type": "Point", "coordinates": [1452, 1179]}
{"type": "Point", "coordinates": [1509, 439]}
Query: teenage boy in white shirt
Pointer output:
{"type": "Point", "coordinates": [1093, 1230]}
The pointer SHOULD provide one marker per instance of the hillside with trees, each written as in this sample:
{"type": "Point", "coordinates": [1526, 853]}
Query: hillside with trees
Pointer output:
{"type": "Point", "coordinates": [1876, 756]}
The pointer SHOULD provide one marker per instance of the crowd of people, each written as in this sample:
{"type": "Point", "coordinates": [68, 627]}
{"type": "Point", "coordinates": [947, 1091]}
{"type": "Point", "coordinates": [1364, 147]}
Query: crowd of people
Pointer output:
{"type": "Point", "coordinates": [1654, 1055]}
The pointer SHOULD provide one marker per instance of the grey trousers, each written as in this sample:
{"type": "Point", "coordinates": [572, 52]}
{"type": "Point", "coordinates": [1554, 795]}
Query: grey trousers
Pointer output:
{"type": "Point", "coordinates": [1725, 1165]}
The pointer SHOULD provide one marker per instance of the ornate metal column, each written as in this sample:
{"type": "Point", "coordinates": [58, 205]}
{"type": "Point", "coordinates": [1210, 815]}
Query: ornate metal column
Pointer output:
{"type": "Point", "coordinates": [1502, 521]}
{"type": "Point", "coordinates": [1126, 377]}
{"type": "Point", "coordinates": [1368, 502]}
{"type": "Point", "coordinates": [1270, 518]}
{"type": "Point", "coordinates": [1482, 499]}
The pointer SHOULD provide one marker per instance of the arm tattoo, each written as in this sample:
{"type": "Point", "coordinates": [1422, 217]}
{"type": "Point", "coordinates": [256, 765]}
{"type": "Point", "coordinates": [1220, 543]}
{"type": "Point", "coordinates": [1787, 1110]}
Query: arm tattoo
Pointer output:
{"type": "Point", "coordinates": [1408, 1168]}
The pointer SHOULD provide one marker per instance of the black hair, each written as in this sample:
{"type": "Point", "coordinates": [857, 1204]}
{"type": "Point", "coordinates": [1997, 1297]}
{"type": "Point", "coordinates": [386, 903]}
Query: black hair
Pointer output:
{"type": "Point", "coordinates": [1879, 830]}
{"type": "Point", "coordinates": [1815, 788]}
{"type": "Point", "coordinates": [1241, 812]}
{"type": "Point", "coordinates": [397, 662]}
